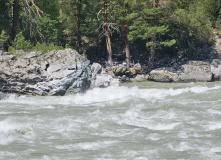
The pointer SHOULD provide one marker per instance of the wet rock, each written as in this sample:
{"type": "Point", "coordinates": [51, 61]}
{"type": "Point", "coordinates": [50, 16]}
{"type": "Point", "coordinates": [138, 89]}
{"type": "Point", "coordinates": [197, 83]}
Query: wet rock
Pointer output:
{"type": "Point", "coordinates": [124, 78]}
{"type": "Point", "coordinates": [3, 96]}
{"type": "Point", "coordinates": [140, 78]}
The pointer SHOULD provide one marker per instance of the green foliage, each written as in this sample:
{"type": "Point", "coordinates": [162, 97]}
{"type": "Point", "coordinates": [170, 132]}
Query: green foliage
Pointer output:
{"type": "Point", "coordinates": [191, 27]}
{"type": "Point", "coordinates": [150, 22]}
{"type": "Point", "coordinates": [20, 43]}
{"type": "Point", "coordinates": [218, 23]}
{"type": "Point", "coordinates": [177, 24]}
{"type": "Point", "coordinates": [3, 37]}
{"type": "Point", "coordinates": [44, 48]}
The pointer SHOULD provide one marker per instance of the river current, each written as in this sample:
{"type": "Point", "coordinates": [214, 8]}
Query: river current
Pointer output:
{"type": "Point", "coordinates": [136, 121]}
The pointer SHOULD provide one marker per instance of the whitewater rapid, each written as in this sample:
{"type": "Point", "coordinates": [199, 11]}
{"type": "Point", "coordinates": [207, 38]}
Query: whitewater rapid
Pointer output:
{"type": "Point", "coordinates": [135, 121]}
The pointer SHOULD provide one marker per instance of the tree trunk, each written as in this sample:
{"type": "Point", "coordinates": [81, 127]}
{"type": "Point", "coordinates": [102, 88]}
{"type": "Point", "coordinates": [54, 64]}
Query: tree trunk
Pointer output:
{"type": "Point", "coordinates": [156, 3]}
{"type": "Point", "coordinates": [152, 54]}
{"type": "Point", "coordinates": [153, 47]}
{"type": "Point", "coordinates": [78, 13]}
{"type": "Point", "coordinates": [15, 18]}
{"type": "Point", "coordinates": [126, 39]}
{"type": "Point", "coordinates": [6, 23]}
{"type": "Point", "coordinates": [108, 42]}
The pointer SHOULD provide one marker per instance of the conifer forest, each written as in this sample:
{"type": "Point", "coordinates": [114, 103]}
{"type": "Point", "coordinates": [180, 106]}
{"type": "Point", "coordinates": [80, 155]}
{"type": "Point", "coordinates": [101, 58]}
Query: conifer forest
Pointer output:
{"type": "Point", "coordinates": [102, 29]}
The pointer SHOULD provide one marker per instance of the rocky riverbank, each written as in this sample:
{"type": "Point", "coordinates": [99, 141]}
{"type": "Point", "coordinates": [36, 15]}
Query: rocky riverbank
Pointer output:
{"type": "Point", "coordinates": [66, 71]}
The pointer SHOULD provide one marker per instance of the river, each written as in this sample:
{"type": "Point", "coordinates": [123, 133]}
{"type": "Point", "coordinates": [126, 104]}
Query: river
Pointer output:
{"type": "Point", "coordinates": [135, 121]}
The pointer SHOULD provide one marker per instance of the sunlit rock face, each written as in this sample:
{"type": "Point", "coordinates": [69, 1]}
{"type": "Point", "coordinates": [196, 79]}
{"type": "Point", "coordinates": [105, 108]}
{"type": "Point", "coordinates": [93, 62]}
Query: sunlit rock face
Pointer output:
{"type": "Point", "coordinates": [194, 71]}
{"type": "Point", "coordinates": [53, 73]}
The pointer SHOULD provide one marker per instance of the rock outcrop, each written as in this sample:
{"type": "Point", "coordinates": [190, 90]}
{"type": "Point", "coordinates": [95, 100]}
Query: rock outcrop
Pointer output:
{"type": "Point", "coordinates": [54, 73]}
{"type": "Point", "coordinates": [216, 69]}
{"type": "Point", "coordinates": [194, 71]}
{"type": "Point", "coordinates": [101, 77]}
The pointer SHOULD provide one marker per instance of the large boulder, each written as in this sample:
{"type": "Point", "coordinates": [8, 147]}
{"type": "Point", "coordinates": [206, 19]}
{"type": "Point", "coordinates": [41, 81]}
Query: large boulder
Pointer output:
{"type": "Point", "coordinates": [164, 75]}
{"type": "Point", "coordinates": [194, 71]}
{"type": "Point", "coordinates": [54, 73]}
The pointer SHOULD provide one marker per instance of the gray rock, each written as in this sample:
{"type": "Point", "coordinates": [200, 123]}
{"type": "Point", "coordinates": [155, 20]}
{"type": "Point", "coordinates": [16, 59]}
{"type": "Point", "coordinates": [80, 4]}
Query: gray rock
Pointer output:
{"type": "Point", "coordinates": [140, 78]}
{"type": "Point", "coordinates": [194, 71]}
{"type": "Point", "coordinates": [54, 73]}
{"type": "Point", "coordinates": [216, 69]}
{"type": "Point", "coordinates": [164, 75]}
{"type": "Point", "coordinates": [96, 68]}
{"type": "Point", "coordinates": [3, 96]}
{"type": "Point", "coordinates": [124, 78]}
{"type": "Point", "coordinates": [102, 78]}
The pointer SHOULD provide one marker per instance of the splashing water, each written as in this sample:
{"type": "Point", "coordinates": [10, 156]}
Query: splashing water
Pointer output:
{"type": "Point", "coordinates": [135, 121]}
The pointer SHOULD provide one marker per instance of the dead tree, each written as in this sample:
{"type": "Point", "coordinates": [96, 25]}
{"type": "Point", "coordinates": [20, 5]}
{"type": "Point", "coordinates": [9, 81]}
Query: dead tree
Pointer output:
{"type": "Point", "coordinates": [107, 33]}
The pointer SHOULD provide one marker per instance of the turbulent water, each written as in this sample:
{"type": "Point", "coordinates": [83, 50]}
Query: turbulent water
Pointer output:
{"type": "Point", "coordinates": [137, 121]}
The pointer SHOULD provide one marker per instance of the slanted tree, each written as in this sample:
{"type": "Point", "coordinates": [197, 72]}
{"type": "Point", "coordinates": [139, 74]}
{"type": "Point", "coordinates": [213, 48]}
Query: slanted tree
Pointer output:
{"type": "Point", "coordinates": [107, 33]}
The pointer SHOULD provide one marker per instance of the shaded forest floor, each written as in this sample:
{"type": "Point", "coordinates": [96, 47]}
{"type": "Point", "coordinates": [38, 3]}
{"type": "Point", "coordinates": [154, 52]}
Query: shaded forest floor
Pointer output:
{"type": "Point", "coordinates": [139, 54]}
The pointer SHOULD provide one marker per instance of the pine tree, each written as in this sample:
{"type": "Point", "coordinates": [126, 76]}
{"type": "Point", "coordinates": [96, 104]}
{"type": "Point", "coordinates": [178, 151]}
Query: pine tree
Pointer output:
{"type": "Point", "coordinates": [150, 23]}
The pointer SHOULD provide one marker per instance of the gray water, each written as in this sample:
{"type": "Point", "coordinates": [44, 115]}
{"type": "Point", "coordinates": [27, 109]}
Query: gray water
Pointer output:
{"type": "Point", "coordinates": [137, 121]}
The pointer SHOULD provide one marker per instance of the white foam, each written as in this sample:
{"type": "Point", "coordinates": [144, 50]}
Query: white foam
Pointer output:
{"type": "Point", "coordinates": [212, 111]}
{"type": "Point", "coordinates": [4, 113]}
{"type": "Point", "coordinates": [5, 139]}
{"type": "Point", "coordinates": [183, 146]}
{"type": "Point", "coordinates": [154, 137]}
{"type": "Point", "coordinates": [87, 145]}
{"type": "Point", "coordinates": [122, 94]}
{"type": "Point", "coordinates": [213, 126]}
{"type": "Point", "coordinates": [108, 95]}
{"type": "Point", "coordinates": [118, 133]}
{"type": "Point", "coordinates": [215, 150]}
{"type": "Point", "coordinates": [163, 126]}
{"type": "Point", "coordinates": [10, 130]}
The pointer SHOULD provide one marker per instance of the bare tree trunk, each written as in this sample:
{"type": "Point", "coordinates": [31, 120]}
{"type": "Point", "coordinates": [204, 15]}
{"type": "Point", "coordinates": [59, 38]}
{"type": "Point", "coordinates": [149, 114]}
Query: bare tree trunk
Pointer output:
{"type": "Point", "coordinates": [78, 13]}
{"type": "Point", "coordinates": [126, 39]}
{"type": "Point", "coordinates": [108, 42]}
{"type": "Point", "coordinates": [152, 54]}
{"type": "Point", "coordinates": [15, 18]}
{"type": "Point", "coordinates": [153, 47]}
